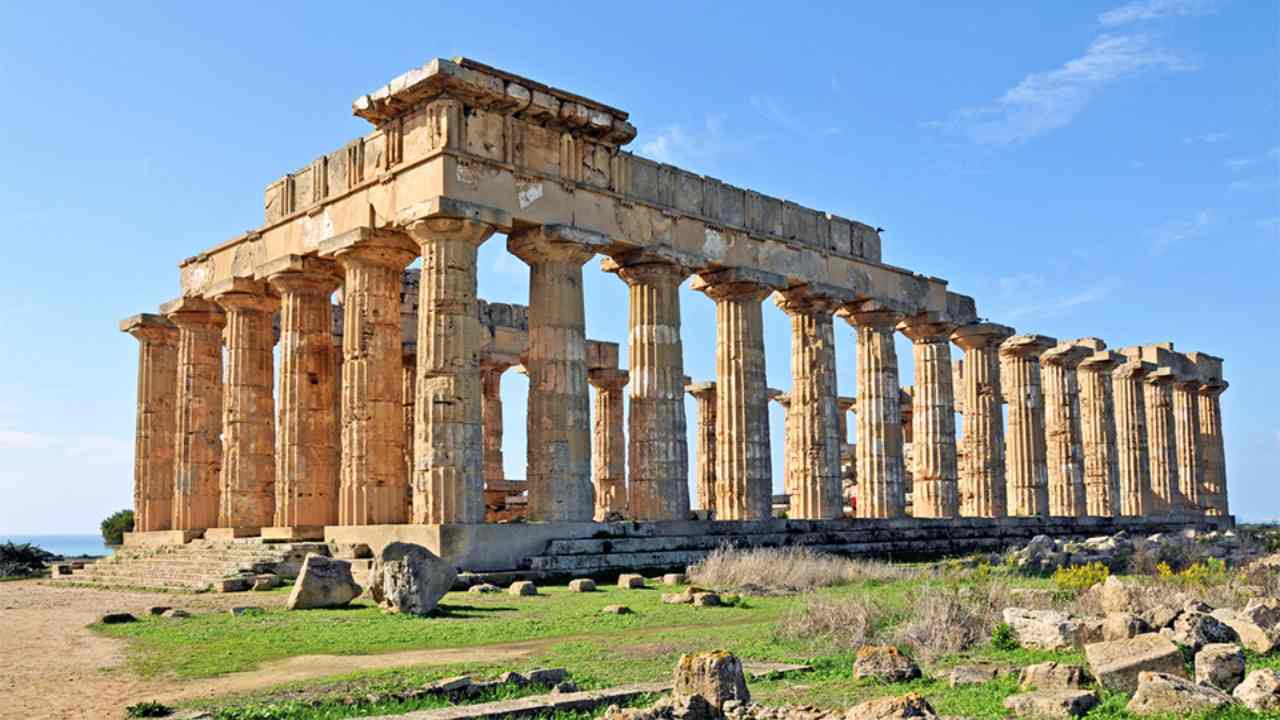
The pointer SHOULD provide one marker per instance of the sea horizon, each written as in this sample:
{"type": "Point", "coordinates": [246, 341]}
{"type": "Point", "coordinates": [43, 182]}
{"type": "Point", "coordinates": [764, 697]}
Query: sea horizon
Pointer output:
{"type": "Point", "coordinates": [65, 544]}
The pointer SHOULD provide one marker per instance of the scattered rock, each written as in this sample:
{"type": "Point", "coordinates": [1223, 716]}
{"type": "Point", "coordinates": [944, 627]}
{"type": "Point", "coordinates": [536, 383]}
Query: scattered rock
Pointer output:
{"type": "Point", "coordinates": [884, 663]}
{"type": "Point", "coordinates": [513, 678]}
{"type": "Point", "coordinates": [522, 587]}
{"type": "Point", "coordinates": [904, 707]}
{"type": "Point", "coordinates": [1258, 624]}
{"type": "Point", "coordinates": [1260, 692]}
{"type": "Point", "coordinates": [410, 579]}
{"type": "Point", "coordinates": [582, 585]}
{"type": "Point", "coordinates": [1122, 626]}
{"type": "Point", "coordinates": [116, 618]}
{"type": "Point", "coordinates": [615, 610]}
{"type": "Point", "coordinates": [484, 588]}
{"type": "Point", "coordinates": [548, 676]}
{"type": "Point", "coordinates": [323, 583]}
{"type": "Point", "coordinates": [1114, 596]}
{"type": "Point", "coordinates": [1159, 692]}
{"type": "Point", "coordinates": [158, 609]}
{"type": "Point", "coordinates": [354, 551]}
{"type": "Point", "coordinates": [1116, 664]}
{"type": "Point", "coordinates": [1220, 665]}
{"type": "Point", "coordinates": [680, 598]}
{"type": "Point", "coordinates": [1043, 629]}
{"type": "Point", "coordinates": [971, 675]}
{"type": "Point", "coordinates": [1194, 629]}
{"type": "Point", "coordinates": [1053, 676]}
{"type": "Point", "coordinates": [1060, 703]}
{"type": "Point", "coordinates": [245, 610]}
{"type": "Point", "coordinates": [630, 581]}
{"type": "Point", "coordinates": [266, 581]}
{"type": "Point", "coordinates": [673, 579]}
{"type": "Point", "coordinates": [176, 614]}
{"type": "Point", "coordinates": [449, 686]}
{"type": "Point", "coordinates": [716, 677]}
{"type": "Point", "coordinates": [568, 686]}
{"type": "Point", "coordinates": [1161, 617]}
{"type": "Point", "coordinates": [706, 599]}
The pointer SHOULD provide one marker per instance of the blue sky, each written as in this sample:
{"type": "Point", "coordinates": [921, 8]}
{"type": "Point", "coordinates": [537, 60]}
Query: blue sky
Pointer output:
{"type": "Point", "coordinates": [1090, 168]}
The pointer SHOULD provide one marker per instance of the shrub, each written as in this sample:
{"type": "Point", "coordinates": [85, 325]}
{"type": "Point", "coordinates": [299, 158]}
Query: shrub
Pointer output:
{"type": "Point", "coordinates": [1003, 637]}
{"type": "Point", "coordinates": [23, 560]}
{"type": "Point", "coordinates": [846, 622]}
{"type": "Point", "coordinates": [148, 710]}
{"type": "Point", "coordinates": [949, 620]}
{"type": "Point", "coordinates": [116, 525]}
{"type": "Point", "coordinates": [785, 570]}
{"type": "Point", "coordinates": [1079, 578]}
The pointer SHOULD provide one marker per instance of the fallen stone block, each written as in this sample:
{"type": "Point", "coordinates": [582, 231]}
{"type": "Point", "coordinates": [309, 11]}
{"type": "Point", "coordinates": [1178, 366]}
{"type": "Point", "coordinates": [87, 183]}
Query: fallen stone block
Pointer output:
{"type": "Point", "coordinates": [1053, 676]}
{"type": "Point", "coordinates": [548, 676]}
{"type": "Point", "coordinates": [884, 663]}
{"type": "Point", "coordinates": [630, 581]}
{"type": "Point", "coordinates": [971, 675]}
{"type": "Point", "coordinates": [716, 677]}
{"type": "Point", "coordinates": [323, 583]}
{"type": "Point", "coordinates": [1050, 704]}
{"type": "Point", "coordinates": [582, 585]}
{"type": "Point", "coordinates": [1043, 629]}
{"type": "Point", "coordinates": [1220, 665]}
{"type": "Point", "coordinates": [158, 609]}
{"type": "Point", "coordinates": [673, 579]}
{"type": "Point", "coordinates": [911, 705]}
{"type": "Point", "coordinates": [706, 599]}
{"type": "Point", "coordinates": [1116, 664]}
{"type": "Point", "coordinates": [1164, 693]}
{"type": "Point", "coordinates": [615, 610]}
{"type": "Point", "coordinates": [116, 618]}
{"type": "Point", "coordinates": [1122, 626]}
{"type": "Point", "coordinates": [483, 588]}
{"type": "Point", "coordinates": [1260, 691]}
{"type": "Point", "coordinates": [521, 588]}
{"type": "Point", "coordinates": [1194, 629]}
{"type": "Point", "coordinates": [176, 614]}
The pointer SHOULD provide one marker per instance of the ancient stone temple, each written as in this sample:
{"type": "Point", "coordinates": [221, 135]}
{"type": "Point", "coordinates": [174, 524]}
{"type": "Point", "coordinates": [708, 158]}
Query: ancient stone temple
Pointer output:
{"type": "Point", "coordinates": [307, 384]}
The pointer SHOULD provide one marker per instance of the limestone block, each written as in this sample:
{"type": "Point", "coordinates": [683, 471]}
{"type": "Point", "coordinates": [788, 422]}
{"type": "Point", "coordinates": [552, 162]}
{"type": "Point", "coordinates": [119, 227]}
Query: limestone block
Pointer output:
{"type": "Point", "coordinates": [716, 677]}
{"type": "Point", "coordinates": [1043, 629]}
{"type": "Point", "coordinates": [1220, 665]}
{"type": "Point", "coordinates": [1159, 692]}
{"type": "Point", "coordinates": [323, 583]}
{"type": "Point", "coordinates": [522, 587]}
{"type": "Point", "coordinates": [1194, 630]}
{"type": "Point", "coordinates": [410, 579]}
{"type": "Point", "coordinates": [971, 675]}
{"type": "Point", "coordinates": [1260, 691]}
{"type": "Point", "coordinates": [1046, 704]}
{"type": "Point", "coordinates": [673, 579]}
{"type": "Point", "coordinates": [615, 610]}
{"type": "Point", "coordinates": [582, 585]}
{"type": "Point", "coordinates": [706, 599]}
{"type": "Point", "coordinates": [1116, 664]}
{"type": "Point", "coordinates": [630, 581]}
{"type": "Point", "coordinates": [1053, 676]}
{"type": "Point", "coordinates": [884, 663]}
{"type": "Point", "coordinates": [911, 705]}
{"type": "Point", "coordinates": [1122, 626]}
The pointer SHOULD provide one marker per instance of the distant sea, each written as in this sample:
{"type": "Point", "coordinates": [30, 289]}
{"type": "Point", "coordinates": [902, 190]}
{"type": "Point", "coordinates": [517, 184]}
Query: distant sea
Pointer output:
{"type": "Point", "coordinates": [69, 545]}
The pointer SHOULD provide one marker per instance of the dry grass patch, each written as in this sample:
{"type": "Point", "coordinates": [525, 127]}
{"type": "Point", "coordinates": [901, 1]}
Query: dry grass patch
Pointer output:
{"type": "Point", "coordinates": [845, 622]}
{"type": "Point", "coordinates": [787, 570]}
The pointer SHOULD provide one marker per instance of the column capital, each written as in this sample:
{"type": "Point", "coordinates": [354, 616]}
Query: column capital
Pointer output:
{"type": "Point", "coordinates": [497, 363]}
{"type": "Point", "coordinates": [243, 294]}
{"type": "Point", "coordinates": [870, 313]}
{"type": "Point", "coordinates": [1103, 361]}
{"type": "Point", "coordinates": [1066, 354]}
{"type": "Point", "coordinates": [975, 336]}
{"type": "Point", "coordinates": [846, 403]}
{"type": "Point", "coordinates": [1212, 388]}
{"type": "Point", "coordinates": [1132, 369]}
{"type": "Point", "coordinates": [301, 273]}
{"type": "Point", "coordinates": [150, 328]}
{"type": "Point", "coordinates": [191, 311]}
{"type": "Point", "coordinates": [438, 216]}
{"type": "Point", "coordinates": [737, 283]}
{"type": "Point", "coordinates": [812, 298]}
{"type": "Point", "coordinates": [647, 264]}
{"type": "Point", "coordinates": [1026, 345]}
{"type": "Point", "coordinates": [385, 248]}
{"type": "Point", "coordinates": [608, 378]}
{"type": "Point", "coordinates": [927, 327]}
{"type": "Point", "coordinates": [780, 396]}
{"type": "Point", "coordinates": [555, 243]}
{"type": "Point", "coordinates": [701, 391]}
{"type": "Point", "coordinates": [1161, 376]}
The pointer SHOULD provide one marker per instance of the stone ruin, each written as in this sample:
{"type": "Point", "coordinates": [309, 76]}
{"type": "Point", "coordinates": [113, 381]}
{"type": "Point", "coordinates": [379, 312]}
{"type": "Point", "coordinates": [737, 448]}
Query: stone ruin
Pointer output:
{"type": "Point", "coordinates": [386, 424]}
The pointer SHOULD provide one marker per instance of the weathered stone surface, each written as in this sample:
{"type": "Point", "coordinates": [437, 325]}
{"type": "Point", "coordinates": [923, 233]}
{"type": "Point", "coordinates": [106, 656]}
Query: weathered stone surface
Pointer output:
{"type": "Point", "coordinates": [410, 579]}
{"type": "Point", "coordinates": [1122, 626]}
{"type": "Point", "coordinates": [884, 663]}
{"type": "Point", "coordinates": [1159, 692]}
{"type": "Point", "coordinates": [706, 599]}
{"type": "Point", "coordinates": [982, 468]}
{"type": "Point", "coordinates": [322, 583]}
{"type": "Point", "coordinates": [1220, 665]}
{"type": "Point", "coordinates": [1098, 433]}
{"type": "Point", "coordinates": [1162, 441]}
{"type": "Point", "coordinates": [608, 444]}
{"type": "Point", "coordinates": [1053, 676]}
{"type": "Point", "coordinates": [1214, 491]}
{"type": "Point", "coordinates": [1131, 437]}
{"type": "Point", "coordinates": [1194, 630]}
{"type": "Point", "coordinates": [933, 419]}
{"type": "Point", "coordinates": [582, 585]}
{"type": "Point", "coordinates": [673, 579]}
{"type": "Point", "coordinates": [1064, 435]}
{"type": "Point", "coordinates": [175, 614]}
{"type": "Point", "coordinates": [153, 469]}
{"type": "Point", "coordinates": [1260, 691]}
{"type": "Point", "coordinates": [522, 587]}
{"type": "Point", "coordinates": [630, 581]}
{"type": "Point", "coordinates": [716, 677]}
{"type": "Point", "coordinates": [198, 444]}
{"type": "Point", "coordinates": [1116, 664]}
{"type": "Point", "coordinates": [1045, 704]}
{"type": "Point", "coordinates": [705, 394]}
{"type": "Point", "coordinates": [882, 491]}
{"type": "Point", "coordinates": [483, 588]}
{"type": "Point", "coordinates": [1114, 595]}
{"type": "Point", "coordinates": [1025, 439]}
{"type": "Point", "coordinates": [904, 707]}
{"type": "Point", "coordinates": [971, 675]}
{"type": "Point", "coordinates": [1043, 629]}
{"type": "Point", "coordinates": [615, 610]}
{"type": "Point", "coordinates": [116, 618]}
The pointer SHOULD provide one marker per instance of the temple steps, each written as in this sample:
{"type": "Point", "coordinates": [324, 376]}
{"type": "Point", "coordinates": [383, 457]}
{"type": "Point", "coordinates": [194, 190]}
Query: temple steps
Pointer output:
{"type": "Point", "coordinates": [198, 566]}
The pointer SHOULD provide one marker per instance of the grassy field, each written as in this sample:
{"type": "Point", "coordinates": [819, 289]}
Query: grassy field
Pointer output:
{"type": "Point", "coordinates": [568, 630]}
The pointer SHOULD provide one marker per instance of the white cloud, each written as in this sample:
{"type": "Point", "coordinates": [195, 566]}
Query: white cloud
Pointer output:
{"type": "Point", "coordinates": [1045, 101]}
{"type": "Point", "coordinates": [1209, 138]}
{"type": "Point", "coordinates": [1241, 163]}
{"type": "Point", "coordinates": [779, 115]}
{"type": "Point", "coordinates": [678, 146]}
{"type": "Point", "coordinates": [1176, 232]}
{"type": "Point", "coordinates": [1141, 10]}
{"type": "Point", "coordinates": [1029, 296]}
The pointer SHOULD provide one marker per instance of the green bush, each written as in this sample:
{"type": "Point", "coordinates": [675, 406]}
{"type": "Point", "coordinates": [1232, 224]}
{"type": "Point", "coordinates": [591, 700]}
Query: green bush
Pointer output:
{"type": "Point", "coordinates": [116, 525]}
{"type": "Point", "coordinates": [148, 709]}
{"type": "Point", "coordinates": [23, 560]}
{"type": "Point", "coordinates": [1003, 637]}
{"type": "Point", "coordinates": [1078, 578]}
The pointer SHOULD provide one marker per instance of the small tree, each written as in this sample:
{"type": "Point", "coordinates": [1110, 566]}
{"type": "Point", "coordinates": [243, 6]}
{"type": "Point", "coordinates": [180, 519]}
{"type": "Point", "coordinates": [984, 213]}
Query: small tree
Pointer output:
{"type": "Point", "coordinates": [116, 525]}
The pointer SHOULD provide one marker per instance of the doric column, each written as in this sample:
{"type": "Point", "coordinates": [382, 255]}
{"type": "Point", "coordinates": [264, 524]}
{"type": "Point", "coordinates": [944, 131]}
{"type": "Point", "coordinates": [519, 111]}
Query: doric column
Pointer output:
{"type": "Point", "coordinates": [408, 410]}
{"type": "Point", "coordinates": [198, 431]}
{"type": "Point", "coordinates": [933, 418]}
{"type": "Point", "coordinates": [844, 406]}
{"type": "Point", "coordinates": [154, 437]}
{"type": "Point", "coordinates": [608, 445]}
{"type": "Point", "coordinates": [1098, 434]}
{"type": "Point", "coordinates": [881, 481]}
{"type": "Point", "coordinates": [1131, 437]}
{"type": "Point", "coordinates": [1064, 444]}
{"type": "Point", "coordinates": [1162, 442]}
{"type": "Point", "coordinates": [1027, 475]}
{"type": "Point", "coordinates": [1214, 496]}
{"type": "Point", "coordinates": [491, 418]}
{"type": "Point", "coordinates": [658, 445]}
{"type": "Point", "coordinates": [1186, 422]}
{"type": "Point", "coordinates": [705, 394]}
{"type": "Point", "coordinates": [559, 436]}
{"type": "Point", "coordinates": [813, 418]}
{"type": "Point", "coordinates": [788, 444]}
{"type": "Point", "coordinates": [448, 464]}
{"type": "Point", "coordinates": [744, 486]}
{"type": "Point", "coordinates": [372, 489]}
{"type": "Point", "coordinates": [983, 488]}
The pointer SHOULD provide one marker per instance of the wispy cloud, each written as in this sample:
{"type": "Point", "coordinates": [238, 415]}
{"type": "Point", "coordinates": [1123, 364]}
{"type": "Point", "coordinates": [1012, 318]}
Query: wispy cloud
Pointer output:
{"type": "Point", "coordinates": [1141, 10]}
{"type": "Point", "coordinates": [1028, 296]}
{"type": "Point", "coordinates": [779, 115]}
{"type": "Point", "coordinates": [1209, 138]}
{"type": "Point", "coordinates": [1045, 101]}
{"type": "Point", "coordinates": [86, 448]}
{"type": "Point", "coordinates": [1240, 163]}
{"type": "Point", "coordinates": [680, 146]}
{"type": "Point", "coordinates": [1176, 232]}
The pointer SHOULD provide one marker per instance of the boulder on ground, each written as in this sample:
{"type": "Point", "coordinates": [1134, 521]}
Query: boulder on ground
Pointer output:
{"type": "Point", "coordinates": [1161, 617]}
{"type": "Point", "coordinates": [266, 581]}
{"type": "Point", "coordinates": [116, 618]}
{"type": "Point", "coordinates": [1043, 629]}
{"type": "Point", "coordinates": [159, 609]}
{"type": "Point", "coordinates": [1220, 665]}
{"type": "Point", "coordinates": [1260, 691]}
{"type": "Point", "coordinates": [911, 706]}
{"type": "Point", "coordinates": [716, 677]}
{"type": "Point", "coordinates": [884, 663]}
{"type": "Point", "coordinates": [323, 583]}
{"type": "Point", "coordinates": [582, 585]}
{"type": "Point", "coordinates": [971, 675]}
{"type": "Point", "coordinates": [1046, 704]}
{"type": "Point", "coordinates": [1194, 629]}
{"type": "Point", "coordinates": [706, 599]}
{"type": "Point", "coordinates": [673, 579]}
{"type": "Point", "coordinates": [1053, 676]}
{"type": "Point", "coordinates": [484, 588]}
{"type": "Point", "coordinates": [410, 579]}
{"type": "Point", "coordinates": [522, 587]}
{"type": "Point", "coordinates": [1116, 664]}
{"type": "Point", "coordinates": [680, 598]}
{"type": "Point", "coordinates": [1257, 624]}
{"type": "Point", "coordinates": [1114, 596]}
{"type": "Point", "coordinates": [1122, 626]}
{"type": "Point", "coordinates": [1159, 692]}
{"type": "Point", "coordinates": [547, 676]}
{"type": "Point", "coordinates": [630, 581]}
{"type": "Point", "coordinates": [615, 610]}
{"type": "Point", "coordinates": [176, 614]}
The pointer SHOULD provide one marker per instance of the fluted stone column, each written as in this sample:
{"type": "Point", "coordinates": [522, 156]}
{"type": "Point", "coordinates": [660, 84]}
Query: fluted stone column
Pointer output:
{"type": "Point", "coordinates": [1186, 421]}
{"type": "Point", "coordinates": [1215, 471]}
{"type": "Point", "coordinates": [744, 486]}
{"type": "Point", "coordinates": [408, 410]}
{"type": "Point", "coordinates": [881, 474]}
{"type": "Point", "coordinates": [559, 436]}
{"type": "Point", "coordinates": [1162, 443]}
{"type": "Point", "coordinates": [306, 497]}
{"type": "Point", "coordinates": [373, 482]}
{"type": "Point", "coordinates": [608, 444]}
{"type": "Point", "coordinates": [198, 427]}
{"type": "Point", "coordinates": [705, 394]}
{"type": "Point", "coordinates": [154, 437]}
{"type": "Point", "coordinates": [935, 491]}
{"type": "Point", "coordinates": [1027, 474]}
{"type": "Point", "coordinates": [1131, 437]}
{"type": "Point", "coordinates": [983, 488]}
{"type": "Point", "coordinates": [1064, 436]}
{"type": "Point", "coordinates": [1098, 434]}
{"type": "Point", "coordinates": [491, 418]}
{"type": "Point", "coordinates": [784, 402]}
{"type": "Point", "coordinates": [658, 445]}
